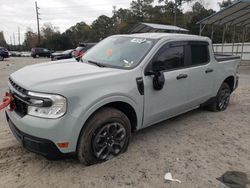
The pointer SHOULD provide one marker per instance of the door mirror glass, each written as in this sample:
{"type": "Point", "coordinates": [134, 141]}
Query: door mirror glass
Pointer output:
{"type": "Point", "coordinates": [158, 80]}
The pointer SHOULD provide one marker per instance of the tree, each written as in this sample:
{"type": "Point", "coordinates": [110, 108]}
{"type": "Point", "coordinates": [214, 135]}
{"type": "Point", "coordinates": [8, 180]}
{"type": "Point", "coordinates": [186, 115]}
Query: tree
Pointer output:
{"type": "Point", "coordinates": [2, 40]}
{"type": "Point", "coordinates": [140, 9]}
{"type": "Point", "coordinates": [225, 4]}
{"type": "Point", "coordinates": [48, 30]}
{"type": "Point", "coordinates": [124, 20]}
{"type": "Point", "coordinates": [30, 39]}
{"type": "Point", "coordinates": [81, 32]}
{"type": "Point", "coordinates": [175, 7]}
{"type": "Point", "coordinates": [102, 27]}
{"type": "Point", "coordinates": [198, 13]}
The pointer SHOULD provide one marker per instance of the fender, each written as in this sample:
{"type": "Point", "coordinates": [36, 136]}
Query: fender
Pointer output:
{"type": "Point", "coordinates": [95, 105]}
{"type": "Point", "coordinates": [221, 79]}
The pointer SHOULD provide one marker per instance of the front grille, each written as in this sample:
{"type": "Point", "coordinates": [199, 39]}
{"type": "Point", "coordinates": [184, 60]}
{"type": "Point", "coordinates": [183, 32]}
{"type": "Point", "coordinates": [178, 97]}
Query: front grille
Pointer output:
{"type": "Point", "coordinates": [17, 87]}
{"type": "Point", "coordinates": [21, 108]}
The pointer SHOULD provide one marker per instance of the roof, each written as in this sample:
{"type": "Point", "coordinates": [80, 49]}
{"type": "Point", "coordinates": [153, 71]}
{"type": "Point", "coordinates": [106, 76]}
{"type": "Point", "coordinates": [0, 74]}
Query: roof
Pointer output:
{"type": "Point", "coordinates": [150, 27]}
{"type": "Point", "coordinates": [237, 14]}
{"type": "Point", "coordinates": [167, 35]}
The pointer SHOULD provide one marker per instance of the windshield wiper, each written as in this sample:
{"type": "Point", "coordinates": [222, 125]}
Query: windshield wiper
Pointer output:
{"type": "Point", "coordinates": [96, 63]}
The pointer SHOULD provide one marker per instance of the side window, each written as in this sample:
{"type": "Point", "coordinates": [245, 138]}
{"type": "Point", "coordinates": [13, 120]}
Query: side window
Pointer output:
{"type": "Point", "coordinates": [169, 58]}
{"type": "Point", "coordinates": [199, 54]}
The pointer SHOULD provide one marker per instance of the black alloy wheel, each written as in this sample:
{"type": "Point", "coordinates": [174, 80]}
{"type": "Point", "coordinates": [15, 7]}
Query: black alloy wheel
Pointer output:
{"type": "Point", "coordinates": [108, 141]}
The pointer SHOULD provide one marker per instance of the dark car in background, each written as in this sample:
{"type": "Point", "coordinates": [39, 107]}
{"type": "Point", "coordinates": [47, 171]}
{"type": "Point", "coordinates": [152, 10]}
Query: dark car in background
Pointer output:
{"type": "Point", "coordinates": [3, 53]}
{"type": "Point", "coordinates": [62, 55]}
{"type": "Point", "coordinates": [81, 50]}
{"type": "Point", "coordinates": [40, 52]}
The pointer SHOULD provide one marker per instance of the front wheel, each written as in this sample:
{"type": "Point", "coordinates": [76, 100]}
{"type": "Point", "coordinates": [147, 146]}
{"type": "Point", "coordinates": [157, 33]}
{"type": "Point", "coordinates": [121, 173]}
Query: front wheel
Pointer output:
{"type": "Point", "coordinates": [105, 135]}
{"type": "Point", "coordinates": [222, 99]}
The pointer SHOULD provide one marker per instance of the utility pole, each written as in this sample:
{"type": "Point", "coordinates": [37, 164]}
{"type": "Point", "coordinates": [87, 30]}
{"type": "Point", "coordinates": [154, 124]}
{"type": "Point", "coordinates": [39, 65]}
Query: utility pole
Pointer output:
{"type": "Point", "coordinates": [19, 38]}
{"type": "Point", "coordinates": [37, 18]}
{"type": "Point", "coordinates": [175, 13]}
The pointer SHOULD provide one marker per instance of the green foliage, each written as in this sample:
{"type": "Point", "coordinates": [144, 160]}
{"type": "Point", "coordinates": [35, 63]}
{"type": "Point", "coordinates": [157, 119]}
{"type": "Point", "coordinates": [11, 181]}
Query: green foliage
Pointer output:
{"type": "Point", "coordinates": [31, 39]}
{"type": "Point", "coordinates": [102, 28]}
{"type": "Point", "coordinates": [140, 9]}
{"type": "Point", "coordinates": [225, 4]}
{"type": "Point", "coordinates": [123, 20]}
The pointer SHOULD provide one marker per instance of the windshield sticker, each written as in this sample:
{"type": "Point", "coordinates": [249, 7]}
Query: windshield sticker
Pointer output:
{"type": "Point", "coordinates": [138, 40]}
{"type": "Point", "coordinates": [127, 63]}
{"type": "Point", "coordinates": [109, 52]}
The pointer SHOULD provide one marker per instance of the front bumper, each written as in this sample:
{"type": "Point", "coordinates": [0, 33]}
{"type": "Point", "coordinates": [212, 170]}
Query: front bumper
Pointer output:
{"type": "Point", "coordinates": [37, 145]}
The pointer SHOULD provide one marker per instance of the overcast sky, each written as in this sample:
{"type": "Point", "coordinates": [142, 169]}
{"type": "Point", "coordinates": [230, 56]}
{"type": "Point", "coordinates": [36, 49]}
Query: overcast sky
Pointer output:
{"type": "Point", "coordinates": [61, 13]}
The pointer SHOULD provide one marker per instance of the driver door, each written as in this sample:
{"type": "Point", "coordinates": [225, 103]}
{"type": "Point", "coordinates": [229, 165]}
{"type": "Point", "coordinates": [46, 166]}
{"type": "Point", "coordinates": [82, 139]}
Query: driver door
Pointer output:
{"type": "Point", "coordinates": [172, 99]}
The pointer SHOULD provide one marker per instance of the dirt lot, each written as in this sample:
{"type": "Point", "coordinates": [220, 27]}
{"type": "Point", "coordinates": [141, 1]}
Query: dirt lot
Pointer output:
{"type": "Point", "coordinates": [196, 148]}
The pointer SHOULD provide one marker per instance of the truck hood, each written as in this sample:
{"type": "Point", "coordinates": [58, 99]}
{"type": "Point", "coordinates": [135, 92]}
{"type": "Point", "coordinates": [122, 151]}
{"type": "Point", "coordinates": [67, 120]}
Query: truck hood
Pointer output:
{"type": "Point", "coordinates": [46, 76]}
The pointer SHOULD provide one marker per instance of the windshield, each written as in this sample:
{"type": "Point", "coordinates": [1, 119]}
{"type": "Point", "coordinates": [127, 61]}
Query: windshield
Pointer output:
{"type": "Point", "coordinates": [119, 52]}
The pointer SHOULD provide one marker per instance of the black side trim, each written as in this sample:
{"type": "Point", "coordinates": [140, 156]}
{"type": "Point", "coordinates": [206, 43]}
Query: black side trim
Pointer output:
{"type": "Point", "coordinates": [140, 85]}
{"type": "Point", "coordinates": [37, 145]}
{"type": "Point", "coordinates": [209, 101]}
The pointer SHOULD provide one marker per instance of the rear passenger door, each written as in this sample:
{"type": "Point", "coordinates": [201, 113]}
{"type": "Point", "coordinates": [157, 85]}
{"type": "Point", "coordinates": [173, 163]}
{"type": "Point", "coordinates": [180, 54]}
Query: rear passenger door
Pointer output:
{"type": "Point", "coordinates": [202, 74]}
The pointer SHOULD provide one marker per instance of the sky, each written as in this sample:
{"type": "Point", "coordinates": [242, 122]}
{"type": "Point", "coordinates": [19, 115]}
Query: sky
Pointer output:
{"type": "Point", "coordinates": [61, 13]}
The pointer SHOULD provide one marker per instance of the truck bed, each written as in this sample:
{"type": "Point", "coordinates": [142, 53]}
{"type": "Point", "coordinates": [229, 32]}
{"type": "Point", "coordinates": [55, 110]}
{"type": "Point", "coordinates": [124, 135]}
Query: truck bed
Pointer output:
{"type": "Point", "coordinates": [225, 57]}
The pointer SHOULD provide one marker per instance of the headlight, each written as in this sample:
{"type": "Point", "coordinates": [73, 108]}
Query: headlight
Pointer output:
{"type": "Point", "coordinates": [46, 105]}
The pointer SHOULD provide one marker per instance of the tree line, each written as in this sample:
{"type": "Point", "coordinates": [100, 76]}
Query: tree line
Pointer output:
{"type": "Point", "coordinates": [123, 21]}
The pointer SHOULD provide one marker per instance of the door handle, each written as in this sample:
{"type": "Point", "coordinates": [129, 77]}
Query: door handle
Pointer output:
{"type": "Point", "coordinates": [182, 76]}
{"type": "Point", "coordinates": [209, 71]}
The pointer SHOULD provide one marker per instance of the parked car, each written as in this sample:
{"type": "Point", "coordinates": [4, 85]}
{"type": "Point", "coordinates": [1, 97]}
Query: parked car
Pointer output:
{"type": "Point", "coordinates": [3, 53]}
{"type": "Point", "coordinates": [62, 55]}
{"type": "Point", "coordinates": [15, 54]}
{"type": "Point", "coordinates": [125, 83]}
{"type": "Point", "coordinates": [81, 50]}
{"type": "Point", "coordinates": [40, 52]}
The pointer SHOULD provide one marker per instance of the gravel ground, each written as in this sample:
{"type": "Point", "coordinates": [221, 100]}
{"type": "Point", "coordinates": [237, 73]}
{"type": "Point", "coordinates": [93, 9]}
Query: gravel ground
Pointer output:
{"type": "Point", "coordinates": [196, 148]}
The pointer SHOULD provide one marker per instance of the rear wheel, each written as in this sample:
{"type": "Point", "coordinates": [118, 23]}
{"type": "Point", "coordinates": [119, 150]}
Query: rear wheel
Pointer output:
{"type": "Point", "coordinates": [1, 58]}
{"type": "Point", "coordinates": [104, 136]}
{"type": "Point", "coordinates": [222, 99]}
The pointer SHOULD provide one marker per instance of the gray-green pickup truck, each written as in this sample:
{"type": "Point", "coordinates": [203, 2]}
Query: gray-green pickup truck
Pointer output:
{"type": "Point", "coordinates": [125, 83]}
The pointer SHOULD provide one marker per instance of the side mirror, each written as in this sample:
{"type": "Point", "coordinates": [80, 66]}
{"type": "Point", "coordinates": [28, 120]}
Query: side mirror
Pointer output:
{"type": "Point", "coordinates": [158, 79]}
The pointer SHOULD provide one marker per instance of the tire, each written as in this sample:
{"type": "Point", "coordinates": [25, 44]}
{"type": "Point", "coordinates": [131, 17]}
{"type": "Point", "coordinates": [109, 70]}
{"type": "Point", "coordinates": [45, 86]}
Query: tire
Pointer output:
{"type": "Point", "coordinates": [97, 137]}
{"type": "Point", "coordinates": [222, 99]}
{"type": "Point", "coordinates": [1, 58]}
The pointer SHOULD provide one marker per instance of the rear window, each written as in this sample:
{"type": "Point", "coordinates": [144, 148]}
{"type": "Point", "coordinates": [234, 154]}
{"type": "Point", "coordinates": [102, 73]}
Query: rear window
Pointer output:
{"type": "Point", "coordinates": [200, 54]}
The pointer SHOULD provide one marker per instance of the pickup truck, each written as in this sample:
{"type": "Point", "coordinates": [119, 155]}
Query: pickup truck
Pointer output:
{"type": "Point", "coordinates": [123, 84]}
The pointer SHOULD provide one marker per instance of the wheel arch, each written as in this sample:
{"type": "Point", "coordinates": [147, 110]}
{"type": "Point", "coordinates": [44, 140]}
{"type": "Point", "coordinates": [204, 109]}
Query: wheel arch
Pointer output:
{"type": "Point", "coordinates": [230, 80]}
{"type": "Point", "coordinates": [128, 107]}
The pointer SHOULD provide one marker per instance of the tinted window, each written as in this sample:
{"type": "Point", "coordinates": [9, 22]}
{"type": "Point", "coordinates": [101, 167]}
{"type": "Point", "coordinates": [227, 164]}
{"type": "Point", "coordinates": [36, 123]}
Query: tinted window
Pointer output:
{"type": "Point", "coordinates": [199, 54]}
{"type": "Point", "coordinates": [170, 58]}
